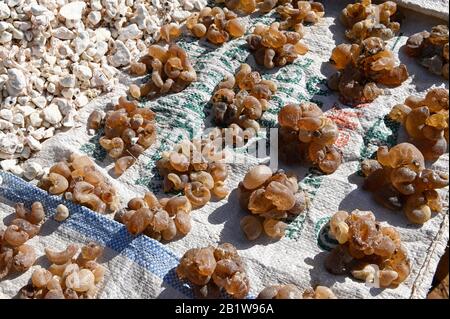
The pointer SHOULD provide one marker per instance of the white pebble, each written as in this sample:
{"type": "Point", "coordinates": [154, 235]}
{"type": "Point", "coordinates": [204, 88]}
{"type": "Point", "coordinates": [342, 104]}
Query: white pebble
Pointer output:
{"type": "Point", "coordinates": [34, 144]}
{"type": "Point", "coordinates": [6, 114]}
{"type": "Point", "coordinates": [35, 119]}
{"type": "Point", "coordinates": [4, 11]}
{"type": "Point", "coordinates": [8, 164]}
{"type": "Point", "coordinates": [52, 114]}
{"type": "Point", "coordinates": [68, 81]}
{"type": "Point", "coordinates": [39, 101]}
{"type": "Point", "coordinates": [31, 170]}
{"type": "Point", "coordinates": [82, 72]}
{"type": "Point", "coordinates": [122, 56]}
{"type": "Point", "coordinates": [63, 33]}
{"type": "Point", "coordinates": [94, 17]}
{"type": "Point", "coordinates": [73, 10]}
{"type": "Point", "coordinates": [16, 82]}
{"type": "Point", "coordinates": [130, 32]}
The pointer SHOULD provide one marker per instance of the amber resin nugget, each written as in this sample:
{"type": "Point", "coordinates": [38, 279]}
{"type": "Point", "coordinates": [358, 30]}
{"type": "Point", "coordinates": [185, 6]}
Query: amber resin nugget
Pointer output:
{"type": "Point", "coordinates": [15, 254]}
{"type": "Point", "coordinates": [364, 20]}
{"type": "Point", "coordinates": [68, 276]}
{"type": "Point", "coordinates": [81, 182]}
{"type": "Point", "coordinates": [216, 24]}
{"type": "Point", "coordinates": [307, 134]}
{"type": "Point", "coordinates": [361, 67]}
{"type": "Point", "coordinates": [272, 47]}
{"type": "Point", "coordinates": [271, 198]}
{"type": "Point", "coordinates": [128, 132]}
{"type": "Point", "coordinates": [290, 291]}
{"type": "Point", "coordinates": [426, 121]}
{"type": "Point", "coordinates": [250, 6]}
{"type": "Point", "coordinates": [196, 169]}
{"type": "Point", "coordinates": [431, 49]}
{"type": "Point", "coordinates": [161, 219]}
{"type": "Point", "coordinates": [210, 270]}
{"type": "Point", "coordinates": [241, 100]}
{"type": "Point", "coordinates": [399, 180]}
{"type": "Point", "coordinates": [297, 13]}
{"type": "Point", "coordinates": [367, 250]}
{"type": "Point", "coordinates": [170, 69]}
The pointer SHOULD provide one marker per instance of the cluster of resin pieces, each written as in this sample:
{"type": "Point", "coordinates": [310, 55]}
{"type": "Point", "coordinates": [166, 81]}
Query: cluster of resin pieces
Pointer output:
{"type": "Point", "coordinates": [431, 49]}
{"type": "Point", "coordinates": [271, 198]}
{"type": "Point", "coordinates": [367, 250]}
{"type": "Point", "coordinates": [398, 179]}
{"type": "Point", "coordinates": [290, 291]}
{"type": "Point", "coordinates": [426, 121]}
{"type": "Point", "coordinates": [170, 32]}
{"type": "Point", "coordinates": [364, 20]}
{"type": "Point", "coordinates": [250, 6]}
{"type": "Point", "coordinates": [170, 69]}
{"type": "Point", "coordinates": [195, 169]}
{"type": "Point", "coordinates": [216, 24]}
{"type": "Point", "coordinates": [210, 270]}
{"type": "Point", "coordinates": [273, 47]}
{"type": "Point", "coordinates": [307, 134]}
{"type": "Point", "coordinates": [69, 276]}
{"type": "Point", "coordinates": [361, 67]}
{"type": "Point", "coordinates": [162, 219]}
{"type": "Point", "coordinates": [295, 14]}
{"type": "Point", "coordinates": [15, 254]}
{"type": "Point", "coordinates": [242, 99]}
{"type": "Point", "coordinates": [128, 132]}
{"type": "Point", "coordinates": [81, 182]}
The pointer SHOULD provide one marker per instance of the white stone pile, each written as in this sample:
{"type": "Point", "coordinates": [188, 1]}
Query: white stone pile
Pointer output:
{"type": "Point", "coordinates": [57, 55]}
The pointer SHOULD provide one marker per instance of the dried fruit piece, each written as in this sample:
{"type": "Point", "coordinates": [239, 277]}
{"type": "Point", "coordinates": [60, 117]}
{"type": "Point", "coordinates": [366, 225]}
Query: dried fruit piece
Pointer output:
{"type": "Point", "coordinates": [220, 267]}
{"type": "Point", "coordinates": [367, 250]}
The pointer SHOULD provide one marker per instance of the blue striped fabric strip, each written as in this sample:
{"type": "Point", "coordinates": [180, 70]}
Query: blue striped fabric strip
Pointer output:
{"type": "Point", "coordinates": [144, 251]}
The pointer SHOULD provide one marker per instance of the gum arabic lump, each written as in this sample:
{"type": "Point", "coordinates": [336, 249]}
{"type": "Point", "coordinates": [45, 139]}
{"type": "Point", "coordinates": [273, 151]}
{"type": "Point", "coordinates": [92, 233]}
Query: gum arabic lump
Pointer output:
{"type": "Point", "coordinates": [426, 121]}
{"type": "Point", "coordinates": [307, 134]}
{"type": "Point", "coordinates": [398, 180]}
{"type": "Point", "coordinates": [364, 20]}
{"type": "Point", "coordinates": [431, 49]}
{"type": "Point", "coordinates": [271, 199]}
{"type": "Point", "coordinates": [71, 275]}
{"type": "Point", "coordinates": [367, 250]}
{"type": "Point", "coordinates": [128, 132]}
{"type": "Point", "coordinates": [272, 47]}
{"type": "Point", "coordinates": [361, 68]}
{"type": "Point", "coordinates": [220, 267]}
{"type": "Point", "coordinates": [80, 181]}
